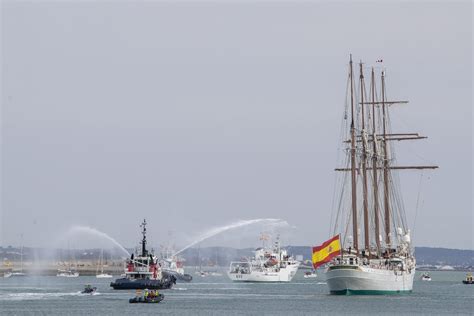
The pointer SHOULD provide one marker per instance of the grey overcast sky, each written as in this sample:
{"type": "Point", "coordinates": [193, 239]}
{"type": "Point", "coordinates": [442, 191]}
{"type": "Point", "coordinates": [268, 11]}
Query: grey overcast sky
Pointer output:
{"type": "Point", "coordinates": [198, 114]}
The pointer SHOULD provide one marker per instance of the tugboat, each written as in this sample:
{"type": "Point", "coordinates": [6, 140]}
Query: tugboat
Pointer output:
{"type": "Point", "coordinates": [143, 272]}
{"type": "Point", "coordinates": [173, 266]}
{"type": "Point", "coordinates": [468, 279]}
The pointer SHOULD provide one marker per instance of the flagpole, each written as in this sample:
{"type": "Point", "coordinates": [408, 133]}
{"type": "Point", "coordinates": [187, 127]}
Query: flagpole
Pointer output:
{"type": "Point", "coordinates": [341, 248]}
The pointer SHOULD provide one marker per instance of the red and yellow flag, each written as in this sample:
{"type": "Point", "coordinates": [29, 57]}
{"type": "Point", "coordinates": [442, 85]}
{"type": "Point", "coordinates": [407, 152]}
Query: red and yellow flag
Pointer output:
{"type": "Point", "coordinates": [328, 250]}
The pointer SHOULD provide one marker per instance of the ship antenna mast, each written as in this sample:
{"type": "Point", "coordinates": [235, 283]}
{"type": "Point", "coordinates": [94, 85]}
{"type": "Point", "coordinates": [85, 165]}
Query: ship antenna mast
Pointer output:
{"type": "Point", "coordinates": [143, 225]}
{"type": "Point", "coordinates": [353, 164]}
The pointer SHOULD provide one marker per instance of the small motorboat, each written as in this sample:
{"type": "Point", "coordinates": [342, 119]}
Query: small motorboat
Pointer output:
{"type": "Point", "coordinates": [310, 274]}
{"type": "Point", "coordinates": [202, 274]}
{"type": "Point", "coordinates": [425, 277]}
{"type": "Point", "coordinates": [89, 290]}
{"type": "Point", "coordinates": [14, 273]}
{"type": "Point", "coordinates": [149, 297]}
{"type": "Point", "coordinates": [468, 279]}
{"type": "Point", "coordinates": [104, 276]}
{"type": "Point", "coordinates": [67, 273]}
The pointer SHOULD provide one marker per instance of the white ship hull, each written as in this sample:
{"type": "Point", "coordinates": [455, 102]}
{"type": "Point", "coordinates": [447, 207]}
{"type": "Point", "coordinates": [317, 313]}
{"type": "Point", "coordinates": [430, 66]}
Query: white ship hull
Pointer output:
{"type": "Point", "coordinates": [365, 280]}
{"type": "Point", "coordinates": [310, 276]}
{"type": "Point", "coordinates": [283, 275]}
{"type": "Point", "coordinates": [65, 275]}
{"type": "Point", "coordinates": [104, 276]}
{"type": "Point", "coordinates": [14, 274]}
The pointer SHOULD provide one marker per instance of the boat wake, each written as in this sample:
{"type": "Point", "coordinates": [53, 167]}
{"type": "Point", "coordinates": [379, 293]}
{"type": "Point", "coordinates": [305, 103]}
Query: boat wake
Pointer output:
{"type": "Point", "coordinates": [221, 289]}
{"type": "Point", "coordinates": [38, 296]}
{"type": "Point", "coordinates": [246, 295]}
{"type": "Point", "coordinates": [89, 294]}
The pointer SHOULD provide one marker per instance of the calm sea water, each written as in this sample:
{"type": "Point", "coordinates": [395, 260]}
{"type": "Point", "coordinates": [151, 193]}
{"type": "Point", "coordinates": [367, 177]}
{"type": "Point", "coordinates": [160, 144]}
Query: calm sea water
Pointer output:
{"type": "Point", "coordinates": [218, 296]}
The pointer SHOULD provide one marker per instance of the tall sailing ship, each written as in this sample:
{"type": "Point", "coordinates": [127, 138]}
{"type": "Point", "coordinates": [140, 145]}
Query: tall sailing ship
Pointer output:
{"type": "Point", "coordinates": [370, 200]}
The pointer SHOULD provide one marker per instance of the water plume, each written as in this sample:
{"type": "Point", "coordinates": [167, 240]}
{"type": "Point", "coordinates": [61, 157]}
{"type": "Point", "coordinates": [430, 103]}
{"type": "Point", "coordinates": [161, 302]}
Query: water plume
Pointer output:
{"type": "Point", "coordinates": [97, 233]}
{"type": "Point", "coordinates": [217, 230]}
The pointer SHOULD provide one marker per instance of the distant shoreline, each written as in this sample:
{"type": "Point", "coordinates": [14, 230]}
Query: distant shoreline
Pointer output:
{"type": "Point", "coordinates": [49, 260]}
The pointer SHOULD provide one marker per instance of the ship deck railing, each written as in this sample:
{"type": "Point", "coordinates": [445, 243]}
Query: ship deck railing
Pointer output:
{"type": "Point", "coordinates": [138, 272]}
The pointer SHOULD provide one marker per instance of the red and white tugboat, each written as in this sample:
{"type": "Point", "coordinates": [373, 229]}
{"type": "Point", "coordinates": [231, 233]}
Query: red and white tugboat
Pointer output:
{"type": "Point", "coordinates": [143, 272]}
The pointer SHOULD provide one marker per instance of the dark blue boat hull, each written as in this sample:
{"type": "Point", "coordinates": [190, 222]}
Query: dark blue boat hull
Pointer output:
{"type": "Point", "coordinates": [166, 282]}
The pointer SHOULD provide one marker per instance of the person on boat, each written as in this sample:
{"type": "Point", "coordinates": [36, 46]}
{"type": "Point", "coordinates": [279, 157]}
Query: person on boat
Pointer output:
{"type": "Point", "coordinates": [138, 294]}
{"type": "Point", "coordinates": [469, 277]}
{"type": "Point", "coordinates": [145, 296]}
{"type": "Point", "coordinates": [88, 289]}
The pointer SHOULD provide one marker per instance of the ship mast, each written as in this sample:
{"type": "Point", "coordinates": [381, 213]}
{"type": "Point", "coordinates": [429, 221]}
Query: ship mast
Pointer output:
{"type": "Point", "coordinates": [385, 167]}
{"type": "Point", "coordinates": [353, 165]}
{"type": "Point", "coordinates": [374, 163]}
{"type": "Point", "coordinates": [364, 165]}
{"type": "Point", "coordinates": [381, 160]}
{"type": "Point", "coordinates": [144, 251]}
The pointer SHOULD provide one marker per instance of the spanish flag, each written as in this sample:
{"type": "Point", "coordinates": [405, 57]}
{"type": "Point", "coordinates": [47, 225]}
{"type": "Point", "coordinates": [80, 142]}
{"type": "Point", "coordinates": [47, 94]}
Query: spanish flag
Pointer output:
{"type": "Point", "coordinates": [328, 250]}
